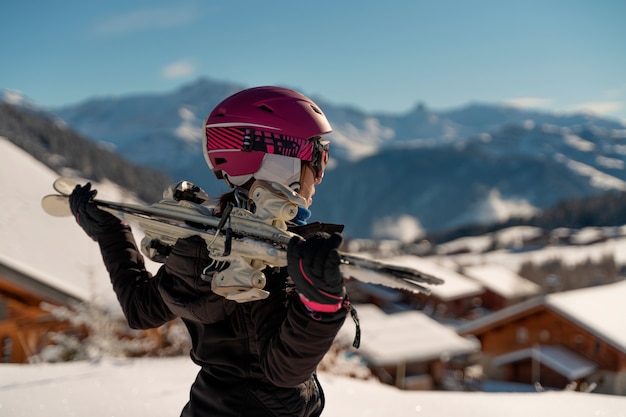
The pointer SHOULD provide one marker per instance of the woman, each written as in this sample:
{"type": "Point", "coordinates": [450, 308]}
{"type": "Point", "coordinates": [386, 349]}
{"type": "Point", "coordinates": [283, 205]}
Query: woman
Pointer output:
{"type": "Point", "coordinates": [257, 358]}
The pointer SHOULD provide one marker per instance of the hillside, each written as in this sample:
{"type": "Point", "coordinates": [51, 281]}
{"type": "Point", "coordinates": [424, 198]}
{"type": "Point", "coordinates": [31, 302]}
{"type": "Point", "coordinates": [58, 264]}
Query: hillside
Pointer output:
{"type": "Point", "coordinates": [607, 209]}
{"type": "Point", "coordinates": [66, 152]}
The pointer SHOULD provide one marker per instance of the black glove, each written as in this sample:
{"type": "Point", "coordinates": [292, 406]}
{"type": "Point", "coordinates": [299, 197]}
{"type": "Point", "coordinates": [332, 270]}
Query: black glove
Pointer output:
{"type": "Point", "coordinates": [313, 264]}
{"type": "Point", "coordinates": [93, 220]}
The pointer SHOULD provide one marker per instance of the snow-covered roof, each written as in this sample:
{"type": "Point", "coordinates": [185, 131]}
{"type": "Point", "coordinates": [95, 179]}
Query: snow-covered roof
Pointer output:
{"type": "Point", "coordinates": [455, 286]}
{"type": "Point", "coordinates": [503, 314]}
{"type": "Point", "coordinates": [54, 250]}
{"type": "Point", "coordinates": [599, 309]}
{"type": "Point", "coordinates": [407, 336]}
{"type": "Point", "coordinates": [562, 360]}
{"type": "Point", "coordinates": [502, 280]}
{"type": "Point", "coordinates": [40, 282]}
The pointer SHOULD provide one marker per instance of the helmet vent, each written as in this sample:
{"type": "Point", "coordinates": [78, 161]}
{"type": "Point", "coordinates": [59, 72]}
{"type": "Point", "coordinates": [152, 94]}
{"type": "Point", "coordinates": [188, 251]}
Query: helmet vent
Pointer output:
{"type": "Point", "coordinates": [265, 108]}
{"type": "Point", "coordinates": [316, 110]}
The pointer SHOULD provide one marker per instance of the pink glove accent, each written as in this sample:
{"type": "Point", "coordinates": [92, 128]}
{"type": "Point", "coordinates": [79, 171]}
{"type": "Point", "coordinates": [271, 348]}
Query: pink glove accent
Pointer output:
{"type": "Point", "coordinates": [319, 307]}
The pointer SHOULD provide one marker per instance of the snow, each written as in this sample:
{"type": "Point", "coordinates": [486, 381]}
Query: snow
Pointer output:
{"type": "Point", "coordinates": [54, 249]}
{"type": "Point", "coordinates": [596, 177]}
{"type": "Point", "coordinates": [502, 280]}
{"type": "Point", "coordinates": [595, 308]}
{"type": "Point", "coordinates": [496, 207]}
{"type": "Point", "coordinates": [561, 359]}
{"type": "Point", "coordinates": [514, 236]}
{"type": "Point", "coordinates": [58, 252]}
{"type": "Point", "coordinates": [473, 250]}
{"type": "Point", "coordinates": [159, 388]}
{"type": "Point", "coordinates": [404, 228]}
{"type": "Point", "coordinates": [578, 143]}
{"type": "Point", "coordinates": [406, 336]}
{"type": "Point", "coordinates": [474, 244]}
{"type": "Point", "coordinates": [599, 309]}
{"type": "Point", "coordinates": [456, 285]}
{"type": "Point", "coordinates": [189, 130]}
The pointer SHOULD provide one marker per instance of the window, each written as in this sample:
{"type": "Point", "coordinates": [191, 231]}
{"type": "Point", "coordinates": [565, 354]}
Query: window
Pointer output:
{"type": "Point", "coordinates": [6, 344]}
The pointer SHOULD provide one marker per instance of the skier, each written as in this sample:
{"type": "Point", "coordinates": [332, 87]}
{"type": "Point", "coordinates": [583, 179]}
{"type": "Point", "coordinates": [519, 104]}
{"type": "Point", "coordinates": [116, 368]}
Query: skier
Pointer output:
{"type": "Point", "coordinates": [257, 358]}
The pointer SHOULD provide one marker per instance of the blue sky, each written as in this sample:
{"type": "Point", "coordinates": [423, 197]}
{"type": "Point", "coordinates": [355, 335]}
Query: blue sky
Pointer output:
{"type": "Point", "coordinates": [560, 55]}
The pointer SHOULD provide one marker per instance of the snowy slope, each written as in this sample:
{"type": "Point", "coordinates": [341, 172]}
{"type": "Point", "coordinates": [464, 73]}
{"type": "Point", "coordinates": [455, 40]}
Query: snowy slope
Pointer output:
{"type": "Point", "coordinates": [54, 249]}
{"type": "Point", "coordinates": [159, 388]}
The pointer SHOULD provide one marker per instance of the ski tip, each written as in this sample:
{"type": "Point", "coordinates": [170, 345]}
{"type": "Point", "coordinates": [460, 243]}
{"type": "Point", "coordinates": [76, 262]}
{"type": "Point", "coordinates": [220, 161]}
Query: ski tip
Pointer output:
{"type": "Point", "coordinates": [56, 205]}
{"type": "Point", "coordinates": [64, 185]}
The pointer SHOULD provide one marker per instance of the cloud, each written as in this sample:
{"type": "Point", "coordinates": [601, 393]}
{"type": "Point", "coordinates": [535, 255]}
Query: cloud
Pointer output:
{"type": "Point", "coordinates": [610, 104]}
{"type": "Point", "coordinates": [145, 19]}
{"type": "Point", "coordinates": [178, 69]}
{"type": "Point", "coordinates": [530, 102]}
{"type": "Point", "coordinates": [601, 108]}
{"type": "Point", "coordinates": [404, 228]}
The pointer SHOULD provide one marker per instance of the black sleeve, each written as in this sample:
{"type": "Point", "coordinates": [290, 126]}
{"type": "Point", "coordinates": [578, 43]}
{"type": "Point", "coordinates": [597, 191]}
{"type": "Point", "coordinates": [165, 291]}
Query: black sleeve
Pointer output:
{"type": "Point", "coordinates": [136, 289]}
{"type": "Point", "coordinates": [292, 341]}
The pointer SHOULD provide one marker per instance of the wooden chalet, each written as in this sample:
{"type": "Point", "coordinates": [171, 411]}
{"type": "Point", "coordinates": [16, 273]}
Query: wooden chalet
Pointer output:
{"type": "Point", "coordinates": [410, 350]}
{"type": "Point", "coordinates": [575, 338]}
{"type": "Point", "coordinates": [455, 299]}
{"type": "Point", "coordinates": [49, 260]}
{"type": "Point", "coordinates": [24, 324]}
{"type": "Point", "coordinates": [503, 287]}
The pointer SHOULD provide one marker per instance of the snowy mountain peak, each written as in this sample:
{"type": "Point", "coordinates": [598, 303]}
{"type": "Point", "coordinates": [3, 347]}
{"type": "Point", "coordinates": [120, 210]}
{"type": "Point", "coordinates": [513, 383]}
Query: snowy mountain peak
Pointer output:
{"type": "Point", "coordinates": [18, 99]}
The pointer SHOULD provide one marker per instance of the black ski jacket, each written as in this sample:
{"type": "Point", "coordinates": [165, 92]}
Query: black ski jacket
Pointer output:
{"type": "Point", "coordinates": [257, 358]}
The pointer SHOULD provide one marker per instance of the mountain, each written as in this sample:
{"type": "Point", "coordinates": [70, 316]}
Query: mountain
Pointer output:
{"type": "Point", "coordinates": [157, 130]}
{"type": "Point", "coordinates": [390, 173]}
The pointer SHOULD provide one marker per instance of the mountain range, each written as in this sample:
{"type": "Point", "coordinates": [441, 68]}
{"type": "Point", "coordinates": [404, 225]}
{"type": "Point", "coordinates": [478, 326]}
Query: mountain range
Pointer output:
{"type": "Point", "coordinates": [391, 175]}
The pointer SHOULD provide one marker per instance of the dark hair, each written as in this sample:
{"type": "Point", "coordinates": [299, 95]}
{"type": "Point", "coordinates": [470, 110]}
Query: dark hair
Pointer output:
{"type": "Point", "coordinates": [226, 198]}
{"type": "Point", "coordinates": [230, 198]}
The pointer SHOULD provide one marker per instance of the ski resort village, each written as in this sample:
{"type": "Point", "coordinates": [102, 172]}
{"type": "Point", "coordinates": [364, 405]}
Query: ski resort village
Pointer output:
{"type": "Point", "coordinates": [487, 342]}
{"type": "Point", "coordinates": [313, 209]}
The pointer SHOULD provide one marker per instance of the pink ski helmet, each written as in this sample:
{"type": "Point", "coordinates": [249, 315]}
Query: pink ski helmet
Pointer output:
{"type": "Point", "coordinates": [265, 130]}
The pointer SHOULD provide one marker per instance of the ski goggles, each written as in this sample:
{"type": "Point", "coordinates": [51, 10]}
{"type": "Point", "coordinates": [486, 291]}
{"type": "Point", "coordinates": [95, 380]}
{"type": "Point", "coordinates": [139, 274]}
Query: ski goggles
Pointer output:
{"type": "Point", "coordinates": [319, 157]}
{"type": "Point", "coordinates": [312, 151]}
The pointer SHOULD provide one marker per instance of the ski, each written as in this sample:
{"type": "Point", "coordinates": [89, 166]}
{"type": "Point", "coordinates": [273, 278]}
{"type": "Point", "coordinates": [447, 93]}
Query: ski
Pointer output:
{"type": "Point", "coordinates": [247, 241]}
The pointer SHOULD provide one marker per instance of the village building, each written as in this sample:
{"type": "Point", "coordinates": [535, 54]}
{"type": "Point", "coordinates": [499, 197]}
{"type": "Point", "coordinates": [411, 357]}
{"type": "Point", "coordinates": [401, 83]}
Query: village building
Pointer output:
{"type": "Point", "coordinates": [457, 298]}
{"type": "Point", "coordinates": [503, 287]}
{"type": "Point", "coordinates": [412, 351]}
{"type": "Point", "coordinates": [47, 262]}
{"type": "Point", "coordinates": [569, 339]}
{"type": "Point", "coordinates": [24, 322]}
